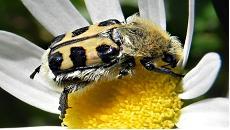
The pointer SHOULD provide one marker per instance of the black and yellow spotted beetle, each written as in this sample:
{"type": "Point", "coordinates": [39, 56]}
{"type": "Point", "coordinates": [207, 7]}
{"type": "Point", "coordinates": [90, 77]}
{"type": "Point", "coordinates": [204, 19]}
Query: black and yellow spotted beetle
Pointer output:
{"type": "Point", "coordinates": [107, 50]}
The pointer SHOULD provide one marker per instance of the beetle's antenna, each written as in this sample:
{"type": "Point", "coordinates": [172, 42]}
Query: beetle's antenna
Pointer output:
{"type": "Point", "coordinates": [37, 70]}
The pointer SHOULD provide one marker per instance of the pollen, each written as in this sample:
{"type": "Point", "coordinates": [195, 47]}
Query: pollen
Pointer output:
{"type": "Point", "coordinates": [143, 100]}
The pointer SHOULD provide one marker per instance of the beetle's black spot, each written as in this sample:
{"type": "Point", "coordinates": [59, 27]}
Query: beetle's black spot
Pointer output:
{"type": "Point", "coordinates": [57, 39]}
{"type": "Point", "coordinates": [109, 22]}
{"type": "Point", "coordinates": [80, 31]}
{"type": "Point", "coordinates": [107, 53]}
{"type": "Point", "coordinates": [78, 56]}
{"type": "Point", "coordinates": [55, 61]}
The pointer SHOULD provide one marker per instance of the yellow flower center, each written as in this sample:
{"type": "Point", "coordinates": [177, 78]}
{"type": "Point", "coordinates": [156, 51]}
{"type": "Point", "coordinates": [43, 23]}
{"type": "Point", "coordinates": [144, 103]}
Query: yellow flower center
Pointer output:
{"type": "Point", "coordinates": [143, 100]}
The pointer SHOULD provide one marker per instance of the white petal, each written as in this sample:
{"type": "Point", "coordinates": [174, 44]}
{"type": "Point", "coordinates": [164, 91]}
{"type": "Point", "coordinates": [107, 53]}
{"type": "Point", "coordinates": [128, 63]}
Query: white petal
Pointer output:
{"type": "Point", "coordinates": [37, 128]}
{"type": "Point", "coordinates": [101, 10]}
{"type": "Point", "coordinates": [209, 113]}
{"type": "Point", "coordinates": [57, 16]}
{"type": "Point", "coordinates": [18, 59]}
{"type": "Point", "coordinates": [198, 81]}
{"type": "Point", "coordinates": [153, 10]}
{"type": "Point", "coordinates": [190, 27]}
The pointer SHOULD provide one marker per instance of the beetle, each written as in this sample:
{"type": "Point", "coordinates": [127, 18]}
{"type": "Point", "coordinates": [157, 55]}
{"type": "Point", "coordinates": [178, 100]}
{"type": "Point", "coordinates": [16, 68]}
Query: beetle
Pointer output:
{"type": "Point", "coordinates": [107, 50]}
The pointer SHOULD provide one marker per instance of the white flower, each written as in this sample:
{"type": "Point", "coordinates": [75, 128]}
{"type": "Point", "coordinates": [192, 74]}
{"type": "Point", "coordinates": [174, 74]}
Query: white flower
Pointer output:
{"type": "Point", "coordinates": [19, 57]}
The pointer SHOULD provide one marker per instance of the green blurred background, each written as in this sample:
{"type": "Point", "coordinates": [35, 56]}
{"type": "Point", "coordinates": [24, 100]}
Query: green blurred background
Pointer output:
{"type": "Point", "coordinates": [211, 35]}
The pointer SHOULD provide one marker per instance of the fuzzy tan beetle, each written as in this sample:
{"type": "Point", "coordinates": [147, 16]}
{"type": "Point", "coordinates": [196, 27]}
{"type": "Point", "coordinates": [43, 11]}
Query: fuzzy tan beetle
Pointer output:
{"type": "Point", "coordinates": [92, 53]}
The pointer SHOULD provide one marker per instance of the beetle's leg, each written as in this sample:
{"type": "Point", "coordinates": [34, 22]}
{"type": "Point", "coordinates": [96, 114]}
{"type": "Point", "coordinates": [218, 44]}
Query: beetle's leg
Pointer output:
{"type": "Point", "coordinates": [37, 70]}
{"type": "Point", "coordinates": [126, 66]}
{"type": "Point", "coordinates": [147, 63]}
{"type": "Point", "coordinates": [63, 102]}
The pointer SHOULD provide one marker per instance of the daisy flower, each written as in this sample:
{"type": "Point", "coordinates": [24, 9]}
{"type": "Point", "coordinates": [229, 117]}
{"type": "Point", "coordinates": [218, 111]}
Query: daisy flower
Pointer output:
{"type": "Point", "coordinates": [145, 100]}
